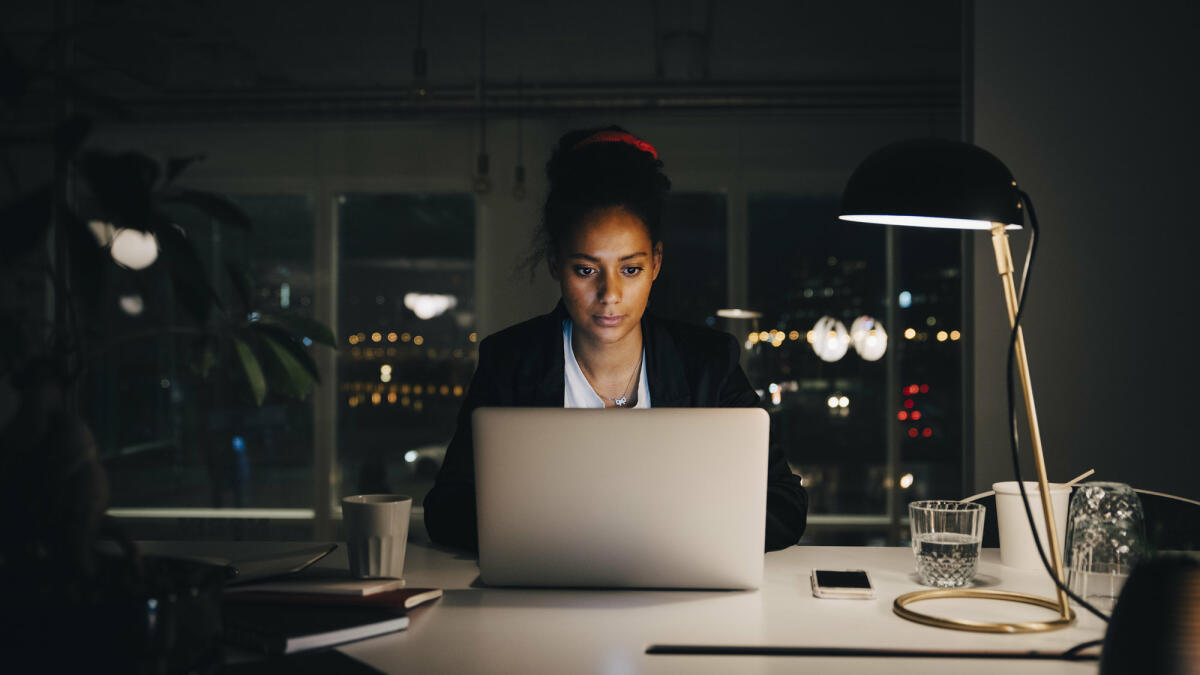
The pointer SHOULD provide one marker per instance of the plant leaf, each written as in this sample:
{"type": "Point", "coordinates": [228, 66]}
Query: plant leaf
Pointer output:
{"type": "Point", "coordinates": [192, 289]}
{"type": "Point", "coordinates": [302, 326]}
{"type": "Point", "coordinates": [290, 376]}
{"type": "Point", "coordinates": [252, 370]}
{"type": "Point", "coordinates": [23, 223]}
{"type": "Point", "coordinates": [212, 205]}
{"type": "Point", "coordinates": [176, 166]}
{"type": "Point", "coordinates": [122, 184]}
{"type": "Point", "coordinates": [290, 343]}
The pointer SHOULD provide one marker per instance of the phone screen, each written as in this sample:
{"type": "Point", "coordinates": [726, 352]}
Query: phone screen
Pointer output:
{"type": "Point", "coordinates": [831, 579]}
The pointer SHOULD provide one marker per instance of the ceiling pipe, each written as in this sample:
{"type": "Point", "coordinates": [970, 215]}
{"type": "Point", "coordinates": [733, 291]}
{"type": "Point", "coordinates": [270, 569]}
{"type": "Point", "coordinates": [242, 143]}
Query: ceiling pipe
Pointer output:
{"type": "Point", "coordinates": [512, 100]}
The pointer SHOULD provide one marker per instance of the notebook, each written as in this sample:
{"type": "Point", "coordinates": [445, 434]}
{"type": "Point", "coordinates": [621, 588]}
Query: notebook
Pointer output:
{"type": "Point", "coordinates": [647, 498]}
{"type": "Point", "coordinates": [274, 628]}
{"type": "Point", "coordinates": [406, 598]}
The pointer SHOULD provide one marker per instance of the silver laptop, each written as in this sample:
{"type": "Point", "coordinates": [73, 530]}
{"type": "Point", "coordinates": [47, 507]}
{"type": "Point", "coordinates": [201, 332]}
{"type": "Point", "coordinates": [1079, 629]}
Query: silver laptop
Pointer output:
{"type": "Point", "coordinates": [649, 498]}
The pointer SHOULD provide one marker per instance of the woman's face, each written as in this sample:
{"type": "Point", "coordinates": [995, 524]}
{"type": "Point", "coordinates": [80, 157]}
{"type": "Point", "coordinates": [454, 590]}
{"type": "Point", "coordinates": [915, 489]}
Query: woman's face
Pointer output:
{"type": "Point", "coordinates": [605, 268]}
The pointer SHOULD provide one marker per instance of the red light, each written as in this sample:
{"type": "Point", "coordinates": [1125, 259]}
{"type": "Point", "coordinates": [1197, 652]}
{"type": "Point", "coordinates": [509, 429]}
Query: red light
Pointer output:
{"type": "Point", "coordinates": [908, 403]}
{"type": "Point", "coordinates": [912, 433]}
{"type": "Point", "coordinates": [927, 432]}
{"type": "Point", "coordinates": [916, 415]}
{"type": "Point", "coordinates": [901, 415]}
{"type": "Point", "coordinates": [924, 389]}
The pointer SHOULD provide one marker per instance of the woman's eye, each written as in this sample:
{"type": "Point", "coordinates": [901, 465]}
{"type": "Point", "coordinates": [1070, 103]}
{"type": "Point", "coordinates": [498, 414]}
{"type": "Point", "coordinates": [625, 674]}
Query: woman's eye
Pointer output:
{"type": "Point", "coordinates": [630, 271]}
{"type": "Point", "coordinates": [585, 271]}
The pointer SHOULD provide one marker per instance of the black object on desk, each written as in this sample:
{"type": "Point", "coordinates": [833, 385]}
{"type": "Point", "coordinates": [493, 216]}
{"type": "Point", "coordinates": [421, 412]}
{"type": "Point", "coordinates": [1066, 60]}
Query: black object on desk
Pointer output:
{"type": "Point", "coordinates": [767, 650]}
{"type": "Point", "coordinates": [326, 662]}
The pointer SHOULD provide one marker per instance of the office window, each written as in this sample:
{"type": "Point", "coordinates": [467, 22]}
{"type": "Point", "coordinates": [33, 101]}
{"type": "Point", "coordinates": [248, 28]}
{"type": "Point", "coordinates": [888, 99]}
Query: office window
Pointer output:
{"type": "Point", "coordinates": [929, 303]}
{"type": "Point", "coordinates": [406, 331]}
{"type": "Point", "coordinates": [835, 418]}
{"type": "Point", "coordinates": [692, 284]}
{"type": "Point", "coordinates": [169, 438]}
{"type": "Point", "coordinates": [803, 265]}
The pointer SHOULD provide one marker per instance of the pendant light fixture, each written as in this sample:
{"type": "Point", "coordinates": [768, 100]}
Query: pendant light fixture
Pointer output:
{"type": "Point", "coordinates": [420, 83]}
{"type": "Point", "coordinates": [482, 183]}
{"type": "Point", "coordinates": [518, 190]}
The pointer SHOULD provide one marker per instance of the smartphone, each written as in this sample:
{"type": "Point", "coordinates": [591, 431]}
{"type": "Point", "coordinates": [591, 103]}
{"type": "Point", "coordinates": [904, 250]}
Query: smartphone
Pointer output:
{"type": "Point", "coordinates": [842, 584]}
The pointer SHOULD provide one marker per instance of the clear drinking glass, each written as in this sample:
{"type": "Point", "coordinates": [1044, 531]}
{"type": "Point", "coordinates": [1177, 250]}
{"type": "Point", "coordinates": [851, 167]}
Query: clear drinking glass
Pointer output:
{"type": "Point", "coordinates": [946, 536]}
{"type": "Point", "coordinates": [1105, 539]}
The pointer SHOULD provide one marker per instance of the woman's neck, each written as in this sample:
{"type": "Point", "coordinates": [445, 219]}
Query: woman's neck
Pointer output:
{"type": "Point", "coordinates": [607, 360]}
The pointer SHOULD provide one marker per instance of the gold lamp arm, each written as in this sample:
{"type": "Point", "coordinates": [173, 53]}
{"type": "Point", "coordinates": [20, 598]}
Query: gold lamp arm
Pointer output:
{"type": "Point", "coordinates": [1004, 265]}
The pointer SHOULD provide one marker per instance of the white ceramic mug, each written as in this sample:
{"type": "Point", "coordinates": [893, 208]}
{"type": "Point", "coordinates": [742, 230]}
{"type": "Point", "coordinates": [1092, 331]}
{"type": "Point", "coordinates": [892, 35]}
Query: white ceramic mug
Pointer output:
{"type": "Point", "coordinates": [376, 534]}
{"type": "Point", "coordinates": [1016, 540]}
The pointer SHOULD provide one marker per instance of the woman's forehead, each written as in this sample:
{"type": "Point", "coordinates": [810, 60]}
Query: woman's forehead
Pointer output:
{"type": "Point", "coordinates": [606, 228]}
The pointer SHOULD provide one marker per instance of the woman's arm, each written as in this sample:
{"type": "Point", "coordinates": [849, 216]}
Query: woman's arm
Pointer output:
{"type": "Point", "coordinates": [450, 517]}
{"type": "Point", "coordinates": [787, 500]}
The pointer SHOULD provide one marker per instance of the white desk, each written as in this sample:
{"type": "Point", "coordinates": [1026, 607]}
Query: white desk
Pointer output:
{"type": "Point", "coordinates": [484, 630]}
{"type": "Point", "coordinates": [545, 631]}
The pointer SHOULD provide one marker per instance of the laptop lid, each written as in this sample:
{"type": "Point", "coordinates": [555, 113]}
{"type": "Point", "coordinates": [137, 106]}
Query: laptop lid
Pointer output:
{"type": "Point", "coordinates": [647, 498]}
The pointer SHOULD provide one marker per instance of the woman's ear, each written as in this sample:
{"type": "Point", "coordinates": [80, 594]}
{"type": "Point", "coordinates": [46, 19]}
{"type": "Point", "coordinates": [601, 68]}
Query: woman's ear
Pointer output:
{"type": "Point", "coordinates": [656, 260]}
{"type": "Point", "coordinates": [552, 263]}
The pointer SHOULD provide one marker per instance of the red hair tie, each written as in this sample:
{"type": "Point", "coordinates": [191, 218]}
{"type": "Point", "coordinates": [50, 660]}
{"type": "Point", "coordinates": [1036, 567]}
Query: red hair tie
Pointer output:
{"type": "Point", "coordinates": [618, 137]}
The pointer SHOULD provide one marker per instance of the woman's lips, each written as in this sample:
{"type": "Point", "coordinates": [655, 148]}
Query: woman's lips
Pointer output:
{"type": "Point", "coordinates": [607, 321]}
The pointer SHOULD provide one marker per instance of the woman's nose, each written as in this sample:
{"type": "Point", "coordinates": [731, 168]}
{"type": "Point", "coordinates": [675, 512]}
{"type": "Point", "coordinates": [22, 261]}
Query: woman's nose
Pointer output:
{"type": "Point", "coordinates": [610, 290]}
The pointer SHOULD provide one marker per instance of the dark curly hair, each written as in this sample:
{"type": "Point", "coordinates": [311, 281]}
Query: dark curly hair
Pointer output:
{"type": "Point", "coordinates": [597, 176]}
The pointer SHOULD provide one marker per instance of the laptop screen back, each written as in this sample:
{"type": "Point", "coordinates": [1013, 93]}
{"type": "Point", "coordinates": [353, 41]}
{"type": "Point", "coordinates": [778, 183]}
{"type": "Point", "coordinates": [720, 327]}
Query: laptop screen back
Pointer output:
{"type": "Point", "coordinates": [653, 498]}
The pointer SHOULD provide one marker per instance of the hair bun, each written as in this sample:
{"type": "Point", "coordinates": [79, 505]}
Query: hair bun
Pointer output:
{"type": "Point", "coordinates": [605, 173]}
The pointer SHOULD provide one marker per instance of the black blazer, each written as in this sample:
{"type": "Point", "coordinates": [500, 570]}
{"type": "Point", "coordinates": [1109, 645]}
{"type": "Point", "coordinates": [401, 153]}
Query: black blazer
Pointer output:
{"type": "Point", "coordinates": [686, 366]}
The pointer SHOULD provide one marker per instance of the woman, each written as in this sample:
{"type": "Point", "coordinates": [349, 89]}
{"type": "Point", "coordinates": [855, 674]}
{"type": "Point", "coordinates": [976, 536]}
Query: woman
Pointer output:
{"type": "Point", "coordinates": [601, 236]}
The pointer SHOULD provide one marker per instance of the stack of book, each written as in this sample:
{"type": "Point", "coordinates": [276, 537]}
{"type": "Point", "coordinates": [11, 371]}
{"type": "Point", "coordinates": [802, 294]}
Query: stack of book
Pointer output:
{"type": "Point", "coordinates": [285, 617]}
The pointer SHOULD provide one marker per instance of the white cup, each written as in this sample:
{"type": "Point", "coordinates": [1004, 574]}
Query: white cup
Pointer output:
{"type": "Point", "coordinates": [1016, 541]}
{"type": "Point", "coordinates": [376, 534]}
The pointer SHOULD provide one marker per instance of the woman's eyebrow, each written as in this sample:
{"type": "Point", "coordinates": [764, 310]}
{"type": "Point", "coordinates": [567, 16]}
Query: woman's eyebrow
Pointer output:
{"type": "Point", "coordinates": [595, 259]}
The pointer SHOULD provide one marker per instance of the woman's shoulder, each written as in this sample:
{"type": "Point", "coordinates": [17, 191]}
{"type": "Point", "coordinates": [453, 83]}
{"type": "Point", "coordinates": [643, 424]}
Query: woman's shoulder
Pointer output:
{"type": "Point", "coordinates": [692, 339]}
{"type": "Point", "coordinates": [525, 334]}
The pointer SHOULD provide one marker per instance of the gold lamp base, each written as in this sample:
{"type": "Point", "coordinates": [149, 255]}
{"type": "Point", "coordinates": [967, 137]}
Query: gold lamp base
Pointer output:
{"type": "Point", "coordinates": [901, 608]}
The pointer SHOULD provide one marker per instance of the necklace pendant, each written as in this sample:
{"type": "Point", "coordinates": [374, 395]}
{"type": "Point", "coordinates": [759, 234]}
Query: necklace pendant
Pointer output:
{"type": "Point", "coordinates": [621, 402]}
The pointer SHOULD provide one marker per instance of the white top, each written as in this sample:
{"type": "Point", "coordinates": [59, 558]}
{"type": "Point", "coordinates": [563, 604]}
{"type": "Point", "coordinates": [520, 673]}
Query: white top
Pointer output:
{"type": "Point", "coordinates": [577, 392]}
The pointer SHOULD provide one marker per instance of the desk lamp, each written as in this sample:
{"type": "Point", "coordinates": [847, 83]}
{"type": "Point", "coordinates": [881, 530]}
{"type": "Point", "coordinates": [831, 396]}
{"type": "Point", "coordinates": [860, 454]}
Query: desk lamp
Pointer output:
{"type": "Point", "coordinates": [953, 185]}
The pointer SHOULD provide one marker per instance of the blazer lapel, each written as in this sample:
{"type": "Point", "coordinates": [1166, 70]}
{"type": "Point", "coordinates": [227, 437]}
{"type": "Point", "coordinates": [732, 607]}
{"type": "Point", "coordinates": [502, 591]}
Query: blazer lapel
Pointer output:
{"type": "Point", "coordinates": [544, 368]}
{"type": "Point", "coordinates": [664, 369]}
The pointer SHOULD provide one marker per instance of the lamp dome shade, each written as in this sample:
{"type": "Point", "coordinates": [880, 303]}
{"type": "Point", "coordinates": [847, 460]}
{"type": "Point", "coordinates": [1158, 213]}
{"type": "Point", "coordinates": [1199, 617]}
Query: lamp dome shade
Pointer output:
{"type": "Point", "coordinates": [933, 182]}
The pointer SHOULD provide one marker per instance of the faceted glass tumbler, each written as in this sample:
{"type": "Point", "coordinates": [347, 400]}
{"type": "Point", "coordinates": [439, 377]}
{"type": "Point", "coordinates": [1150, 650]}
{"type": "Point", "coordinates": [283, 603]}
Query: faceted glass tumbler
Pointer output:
{"type": "Point", "coordinates": [1105, 539]}
{"type": "Point", "coordinates": [946, 536]}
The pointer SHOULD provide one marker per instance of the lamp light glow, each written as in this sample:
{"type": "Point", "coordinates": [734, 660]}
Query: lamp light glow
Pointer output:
{"type": "Point", "coordinates": [869, 338]}
{"type": "Point", "coordinates": [133, 249]}
{"type": "Point", "coordinates": [734, 313]}
{"type": "Point", "coordinates": [924, 221]}
{"type": "Point", "coordinates": [429, 305]}
{"type": "Point", "coordinates": [831, 340]}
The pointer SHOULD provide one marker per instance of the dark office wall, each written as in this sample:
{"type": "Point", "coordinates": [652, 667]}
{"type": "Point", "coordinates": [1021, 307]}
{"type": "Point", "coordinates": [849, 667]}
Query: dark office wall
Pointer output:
{"type": "Point", "coordinates": [1093, 109]}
